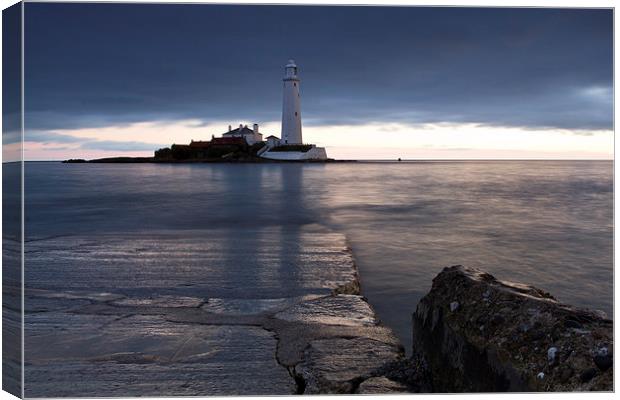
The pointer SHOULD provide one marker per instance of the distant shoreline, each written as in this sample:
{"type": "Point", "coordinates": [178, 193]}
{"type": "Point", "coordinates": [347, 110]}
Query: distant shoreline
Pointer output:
{"type": "Point", "coordinates": [388, 161]}
{"type": "Point", "coordinates": [258, 160]}
{"type": "Point", "coordinates": [148, 160]}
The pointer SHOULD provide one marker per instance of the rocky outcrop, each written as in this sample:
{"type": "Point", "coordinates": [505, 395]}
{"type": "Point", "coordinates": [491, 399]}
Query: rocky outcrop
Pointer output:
{"type": "Point", "coordinates": [480, 334]}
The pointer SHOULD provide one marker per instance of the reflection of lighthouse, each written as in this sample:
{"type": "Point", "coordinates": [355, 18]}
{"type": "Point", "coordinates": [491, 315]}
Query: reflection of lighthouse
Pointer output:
{"type": "Point", "coordinates": [291, 110]}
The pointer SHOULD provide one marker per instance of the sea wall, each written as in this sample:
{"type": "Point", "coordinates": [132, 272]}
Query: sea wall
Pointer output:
{"type": "Point", "coordinates": [315, 153]}
{"type": "Point", "coordinates": [475, 333]}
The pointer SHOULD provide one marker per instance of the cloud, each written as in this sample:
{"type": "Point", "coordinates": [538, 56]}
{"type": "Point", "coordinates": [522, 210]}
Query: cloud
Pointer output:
{"type": "Point", "coordinates": [530, 79]}
{"type": "Point", "coordinates": [120, 146]}
{"type": "Point", "coordinates": [11, 136]}
{"type": "Point", "coordinates": [53, 141]}
{"type": "Point", "coordinates": [528, 68]}
{"type": "Point", "coordinates": [47, 137]}
{"type": "Point", "coordinates": [433, 140]}
{"type": "Point", "coordinates": [373, 140]}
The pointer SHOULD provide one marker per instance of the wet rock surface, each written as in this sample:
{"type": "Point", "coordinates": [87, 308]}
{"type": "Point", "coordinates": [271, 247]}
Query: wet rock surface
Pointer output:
{"type": "Point", "coordinates": [341, 309]}
{"type": "Point", "coordinates": [340, 365]}
{"type": "Point", "coordinates": [271, 312]}
{"type": "Point", "coordinates": [380, 385]}
{"type": "Point", "coordinates": [477, 333]}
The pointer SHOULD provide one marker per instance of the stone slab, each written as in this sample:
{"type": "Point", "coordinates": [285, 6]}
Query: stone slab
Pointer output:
{"type": "Point", "coordinates": [148, 356]}
{"type": "Point", "coordinates": [195, 314]}
{"type": "Point", "coordinates": [339, 365]}
{"type": "Point", "coordinates": [341, 310]}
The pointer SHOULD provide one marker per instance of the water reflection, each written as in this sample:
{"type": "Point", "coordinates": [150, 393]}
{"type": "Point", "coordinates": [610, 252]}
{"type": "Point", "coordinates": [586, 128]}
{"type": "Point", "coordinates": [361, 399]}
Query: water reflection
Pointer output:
{"type": "Point", "coordinates": [291, 205]}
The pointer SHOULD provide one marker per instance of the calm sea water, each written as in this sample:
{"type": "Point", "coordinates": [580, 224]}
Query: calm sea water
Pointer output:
{"type": "Point", "coordinates": [544, 223]}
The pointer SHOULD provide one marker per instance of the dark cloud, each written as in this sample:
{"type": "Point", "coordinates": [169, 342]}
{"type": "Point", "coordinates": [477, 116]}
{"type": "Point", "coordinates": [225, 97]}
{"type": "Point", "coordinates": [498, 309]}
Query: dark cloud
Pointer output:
{"type": "Point", "coordinates": [11, 74]}
{"type": "Point", "coordinates": [102, 64]}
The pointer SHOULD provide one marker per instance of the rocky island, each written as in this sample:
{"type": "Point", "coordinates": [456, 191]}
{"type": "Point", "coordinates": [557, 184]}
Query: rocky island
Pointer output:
{"type": "Point", "coordinates": [244, 144]}
{"type": "Point", "coordinates": [216, 150]}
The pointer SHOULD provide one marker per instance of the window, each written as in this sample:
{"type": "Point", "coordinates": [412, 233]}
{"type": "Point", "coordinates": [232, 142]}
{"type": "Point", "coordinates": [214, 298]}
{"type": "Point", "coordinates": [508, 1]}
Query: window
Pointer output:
{"type": "Point", "coordinates": [295, 84]}
{"type": "Point", "coordinates": [295, 113]}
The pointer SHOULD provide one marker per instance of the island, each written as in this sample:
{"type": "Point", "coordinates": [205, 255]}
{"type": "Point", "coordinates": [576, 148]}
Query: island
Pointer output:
{"type": "Point", "coordinates": [244, 144]}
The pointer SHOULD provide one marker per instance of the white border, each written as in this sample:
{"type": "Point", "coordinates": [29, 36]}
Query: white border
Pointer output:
{"type": "Point", "coordinates": [461, 3]}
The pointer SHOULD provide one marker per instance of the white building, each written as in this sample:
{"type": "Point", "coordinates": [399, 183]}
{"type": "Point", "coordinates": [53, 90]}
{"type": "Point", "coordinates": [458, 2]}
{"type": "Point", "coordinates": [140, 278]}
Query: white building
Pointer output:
{"type": "Point", "coordinates": [272, 141]}
{"type": "Point", "coordinates": [291, 106]}
{"type": "Point", "coordinates": [251, 136]}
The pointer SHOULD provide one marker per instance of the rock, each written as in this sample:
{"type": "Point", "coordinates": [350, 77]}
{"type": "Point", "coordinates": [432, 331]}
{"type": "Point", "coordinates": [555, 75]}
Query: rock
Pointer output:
{"type": "Point", "coordinates": [508, 355]}
{"type": "Point", "coordinates": [603, 362]}
{"type": "Point", "coordinates": [411, 372]}
{"type": "Point", "coordinates": [341, 309]}
{"type": "Point", "coordinates": [160, 301]}
{"type": "Point", "coordinates": [536, 334]}
{"type": "Point", "coordinates": [380, 385]}
{"type": "Point", "coordinates": [219, 359]}
{"type": "Point", "coordinates": [551, 355]}
{"type": "Point", "coordinates": [336, 365]}
{"type": "Point", "coordinates": [587, 375]}
{"type": "Point", "coordinates": [497, 319]}
{"type": "Point", "coordinates": [569, 323]}
{"type": "Point", "coordinates": [566, 373]}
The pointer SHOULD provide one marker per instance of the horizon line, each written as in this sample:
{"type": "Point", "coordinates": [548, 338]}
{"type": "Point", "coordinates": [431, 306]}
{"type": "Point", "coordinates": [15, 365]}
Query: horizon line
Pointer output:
{"type": "Point", "coordinates": [396, 160]}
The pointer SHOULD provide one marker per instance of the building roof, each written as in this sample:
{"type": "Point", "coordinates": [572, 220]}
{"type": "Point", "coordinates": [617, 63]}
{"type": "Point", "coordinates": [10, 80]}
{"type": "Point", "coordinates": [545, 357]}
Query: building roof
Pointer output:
{"type": "Point", "coordinates": [229, 141]}
{"type": "Point", "coordinates": [272, 136]}
{"type": "Point", "coordinates": [239, 131]}
{"type": "Point", "coordinates": [199, 144]}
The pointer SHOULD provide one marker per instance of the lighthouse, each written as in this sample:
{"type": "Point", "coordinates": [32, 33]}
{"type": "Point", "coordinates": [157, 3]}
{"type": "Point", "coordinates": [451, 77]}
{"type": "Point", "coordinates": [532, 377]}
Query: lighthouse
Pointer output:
{"type": "Point", "coordinates": [291, 106]}
{"type": "Point", "coordinates": [291, 146]}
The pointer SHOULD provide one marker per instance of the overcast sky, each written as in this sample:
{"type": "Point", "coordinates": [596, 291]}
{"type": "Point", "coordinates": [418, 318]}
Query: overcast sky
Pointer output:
{"type": "Point", "coordinates": [105, 79]}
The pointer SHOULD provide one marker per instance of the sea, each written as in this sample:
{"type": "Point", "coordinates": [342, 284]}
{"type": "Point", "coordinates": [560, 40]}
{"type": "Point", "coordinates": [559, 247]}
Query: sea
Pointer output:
{"type": "Point", "coordinates": [547, 223]}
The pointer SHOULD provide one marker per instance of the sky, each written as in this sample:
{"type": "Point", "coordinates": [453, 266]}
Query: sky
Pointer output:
{"type": "Point", "coordinates": [376, 82]}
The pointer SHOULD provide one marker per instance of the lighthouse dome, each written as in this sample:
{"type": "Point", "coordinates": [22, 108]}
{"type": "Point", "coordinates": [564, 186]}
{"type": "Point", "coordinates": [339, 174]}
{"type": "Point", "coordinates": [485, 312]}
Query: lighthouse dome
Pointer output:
{"type": "Point", "coordinates": [290, 70]}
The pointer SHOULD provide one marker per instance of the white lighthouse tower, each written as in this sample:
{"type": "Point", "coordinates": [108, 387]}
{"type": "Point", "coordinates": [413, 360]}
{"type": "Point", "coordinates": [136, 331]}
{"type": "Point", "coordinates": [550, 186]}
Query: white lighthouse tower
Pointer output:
{"type": "Point", "coordinates": [291, 106]}
{"type": "Point", "coordinates": [276, 149]}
